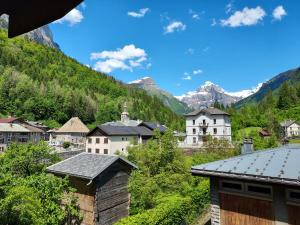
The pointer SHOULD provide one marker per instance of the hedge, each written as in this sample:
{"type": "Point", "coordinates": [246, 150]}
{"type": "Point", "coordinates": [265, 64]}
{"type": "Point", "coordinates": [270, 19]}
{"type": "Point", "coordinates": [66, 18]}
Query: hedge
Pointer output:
{"type": "Point", "coordinates": [174, 209]}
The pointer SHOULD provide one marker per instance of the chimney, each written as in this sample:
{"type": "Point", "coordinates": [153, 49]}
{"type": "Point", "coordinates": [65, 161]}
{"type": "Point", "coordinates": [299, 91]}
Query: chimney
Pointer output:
{"type": "Point", "coordinates": [247, 147]}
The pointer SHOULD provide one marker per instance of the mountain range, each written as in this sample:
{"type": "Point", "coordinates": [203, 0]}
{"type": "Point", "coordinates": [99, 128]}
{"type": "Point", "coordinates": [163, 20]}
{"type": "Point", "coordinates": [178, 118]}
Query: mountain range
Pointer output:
{"type": "Point", "coordinates": [293, 76]}
{"type": "Point", "coordinates": [42, 35]}
{"type": "Point", "coordinates": [209, 93]}
{"type": "Point", "coordinates": [204, 96]}
{"type": "Point", "coordinates": [149, 85]}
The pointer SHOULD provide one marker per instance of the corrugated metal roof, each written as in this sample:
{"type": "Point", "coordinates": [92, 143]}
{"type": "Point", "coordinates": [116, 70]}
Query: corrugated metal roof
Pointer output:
{"type": "Point", "coordinates": [210, 110]}
{"type": "Point", "coordinates": [86, 165]}
{"type": "Point", "coordinates": [279, 164]}
{"type": "Point", "coordinates": [13, 127]}
{"type": "Point", "coordinates": [8, 120]}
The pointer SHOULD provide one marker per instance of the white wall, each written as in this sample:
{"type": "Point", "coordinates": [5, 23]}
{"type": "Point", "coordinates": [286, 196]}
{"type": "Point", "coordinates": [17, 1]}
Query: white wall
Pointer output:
{"type": "Point", "coordinates": [293, 130]}
{"type": "Point", "coordinates": [221, 125]}
{"type": "Point", "coordinates": [77, 139]}
{"type": "Point", "coordinates": [115, 144]}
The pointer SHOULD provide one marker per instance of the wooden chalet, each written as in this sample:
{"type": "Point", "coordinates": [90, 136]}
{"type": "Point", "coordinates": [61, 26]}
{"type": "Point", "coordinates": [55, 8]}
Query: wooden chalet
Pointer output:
{"type": "Point", "coordinates": [101, 183]}
{"type": "Point", "coordinates": [258, 188]}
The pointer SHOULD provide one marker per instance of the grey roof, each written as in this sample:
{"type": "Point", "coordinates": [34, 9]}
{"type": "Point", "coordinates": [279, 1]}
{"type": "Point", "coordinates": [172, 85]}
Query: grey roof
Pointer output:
{"type": "Point", "coordinates": [210, 110]}
{"type": "Point", "coordinates": [154, 126]}
{"type": "Point", "coordinates": [86, 165]}
{"type": "Point", "coordinates": [130, 123]}
{"type": "Point", "coordinates": [13, 127]}
{"type": "Point", "coordinates": [279, 165]}
{"type": "Point", "coordinates": [288, 123]}
{"type": "Point", "coordinates": [124, 130]}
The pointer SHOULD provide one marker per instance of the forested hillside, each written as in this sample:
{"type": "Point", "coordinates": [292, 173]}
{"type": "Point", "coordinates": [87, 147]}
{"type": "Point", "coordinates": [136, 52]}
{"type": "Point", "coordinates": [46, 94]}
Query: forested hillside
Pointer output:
{"type": "Point", "coordinates": [41, 83]}
{"type": "Point", "coordinates": [293, 76]}
{"type": "Point", "coordinates": [273, 108]}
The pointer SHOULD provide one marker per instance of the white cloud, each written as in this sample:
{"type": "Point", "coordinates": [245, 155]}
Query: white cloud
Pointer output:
{"type": "Point", "coordinates": [73, 17]}
{"type": "Point", "coordinates": [175, 26]}
{"type": "Point", "coordinates": [194, 15]}
{"type": "Point", "coordinates": [125, 58]}
{"type": "Point", "coordinates": [229, 7]}
{"type": "Point", "coordinates": [196, 72]}
{"type": "Point", "coordinates": [214, 22]}
{"type": "Point", "coordinates": [188, 77]}
{"type": "Point", "coordinates": [246, 17]}
{"type": "Point", "coordinates": [190, 51]}
{"type": "Point", "coordinates": [141, 13]}
{"type": "Point", "coordinates": [279, 12]}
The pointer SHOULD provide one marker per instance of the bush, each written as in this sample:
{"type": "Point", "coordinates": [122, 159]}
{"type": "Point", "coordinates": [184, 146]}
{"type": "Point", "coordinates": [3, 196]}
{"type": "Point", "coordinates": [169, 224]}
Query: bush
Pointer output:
{"type": "Point", "coordinates": [66, 144]}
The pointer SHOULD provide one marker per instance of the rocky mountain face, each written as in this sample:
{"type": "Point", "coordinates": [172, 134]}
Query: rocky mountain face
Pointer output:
{"type": "Point", "coordinates": [209, 93]}
{"type": "Point", "coordinates": [168, 99]}
{"type": "Point", "coordinates": [42, 35]}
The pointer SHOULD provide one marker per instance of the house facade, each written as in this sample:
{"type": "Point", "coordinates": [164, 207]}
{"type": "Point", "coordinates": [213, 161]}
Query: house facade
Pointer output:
{"type": "Point", "coordinates": [207, 122]}
{"type": "Point", "coordinates": [106, 139]}
{"type": "Point", "coordinates": [260, 188]}
{"type": "Point", "coordinates": [101, 186]}
{"type": "Point", "coordinates": [290, 128]}
{"type": "Point", "coordinates": [18, 133]}
{"type": "Point", "coordinates": [74, 131]}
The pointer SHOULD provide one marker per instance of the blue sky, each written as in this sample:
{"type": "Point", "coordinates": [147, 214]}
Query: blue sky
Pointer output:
{"type": "Point", "coordinates": [182, 43]}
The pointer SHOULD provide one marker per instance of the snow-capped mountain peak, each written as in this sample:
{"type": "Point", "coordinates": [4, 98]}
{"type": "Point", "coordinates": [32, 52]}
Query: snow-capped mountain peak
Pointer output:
{"type": "Point", "coordinates": [209, 92]}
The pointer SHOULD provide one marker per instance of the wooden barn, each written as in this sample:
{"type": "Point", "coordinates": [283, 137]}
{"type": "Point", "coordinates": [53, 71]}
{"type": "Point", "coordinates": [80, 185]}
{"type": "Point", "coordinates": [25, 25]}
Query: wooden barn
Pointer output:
{"type": "Point", "coordinates": [101, 183]}
{"type": "Point", "coordinates": [259, 188]}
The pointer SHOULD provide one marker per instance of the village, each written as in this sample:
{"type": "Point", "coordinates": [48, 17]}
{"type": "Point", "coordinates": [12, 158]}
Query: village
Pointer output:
{"type": "Point", "coordinates": [94, 154]}
{"type": "Point", "coordinates": [164, 115]}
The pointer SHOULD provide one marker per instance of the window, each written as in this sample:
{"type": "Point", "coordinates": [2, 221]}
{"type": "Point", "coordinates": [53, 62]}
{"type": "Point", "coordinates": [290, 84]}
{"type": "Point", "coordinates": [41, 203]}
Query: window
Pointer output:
{"type": "Point", "coordinates": [105, 140]}
{"type": "Point", "coordinates": [215, 130]}
{"type": "Point", "coordinates": [232, 186]}
{"type": "Point", "coordinates": [257, 189]}
{"type": "Point", "coordinates": [194, 140]}
{"type": "Point", "coordinates": [215, 121]}
{"type": "Point", "coordinates": [123, 139]}
{"type": "Point", "coordinates": [293, 195]}
{"type": "Point", "coordinates": [105, 151]}
{"type": "Point", "coordinates": [194, 131]}
{"type": "Point", "coordinates": [89, 150]}
{"type": "Point", "coordinates": [97, 140]}
{"type": "Point", "coordinates": [97, 151]}
{"type": "Point", "coordinates": [90, 140]}
{"type": "Point", "coordinates": [194, 122]}
{"type": "Point", "coordinates": [122, 149]}
{"type": "Point", "coordinates": [204, 122]}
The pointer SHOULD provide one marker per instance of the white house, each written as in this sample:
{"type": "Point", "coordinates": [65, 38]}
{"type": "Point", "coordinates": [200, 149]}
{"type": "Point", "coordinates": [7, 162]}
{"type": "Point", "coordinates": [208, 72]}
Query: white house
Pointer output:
{"type": "Point", "coordinates": [74, 131]}
{"type": "Point", "coordinates": [106, 139]}
{"type": "Point", "coordinates": [290, 128]}
{"type": "Point", "coordinates": [204, 122]}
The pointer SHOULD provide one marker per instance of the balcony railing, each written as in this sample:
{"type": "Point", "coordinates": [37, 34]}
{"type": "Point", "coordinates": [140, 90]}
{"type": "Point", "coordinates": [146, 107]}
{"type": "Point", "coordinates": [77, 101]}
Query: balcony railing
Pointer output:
{"type": "Point", "coordinates": [203, 124]}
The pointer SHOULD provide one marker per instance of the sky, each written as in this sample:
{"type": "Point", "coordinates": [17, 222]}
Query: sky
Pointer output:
{"type": "Point", "coordinates": [183, 43]}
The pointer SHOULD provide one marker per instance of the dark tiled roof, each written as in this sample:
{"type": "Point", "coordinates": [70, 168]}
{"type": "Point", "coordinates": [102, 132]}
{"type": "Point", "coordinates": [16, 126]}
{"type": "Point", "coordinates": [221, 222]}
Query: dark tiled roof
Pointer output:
{"type": "Point", "coordinates": [86, 166]}
{"type": "Point", "coordinates": [154, 126]}
{"type": "Point", "coordinates": [280, 165]}
{"type": "Point", "coordinates": [211, 111]}
{"type": "Point", "coordinates": [32, 128]}
{"type": "Point", "coordinates": [124, 130]}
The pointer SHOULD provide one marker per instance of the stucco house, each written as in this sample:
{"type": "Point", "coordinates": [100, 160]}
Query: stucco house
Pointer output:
{"type": "Point", "coordinates": [74, 131]}
{"type": "Point", "coordinates": [204, 122]}
{"type": "Point", "coordinates": [101, 185]}
{"type": "Point", "coordinates": [290, 128]}
{"type": "Point", "coordinates": [106, 139]}
{"type": "Point", "coordinates": [256, 188]}
{"type": "Point", "coordinates": [17, 133]}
